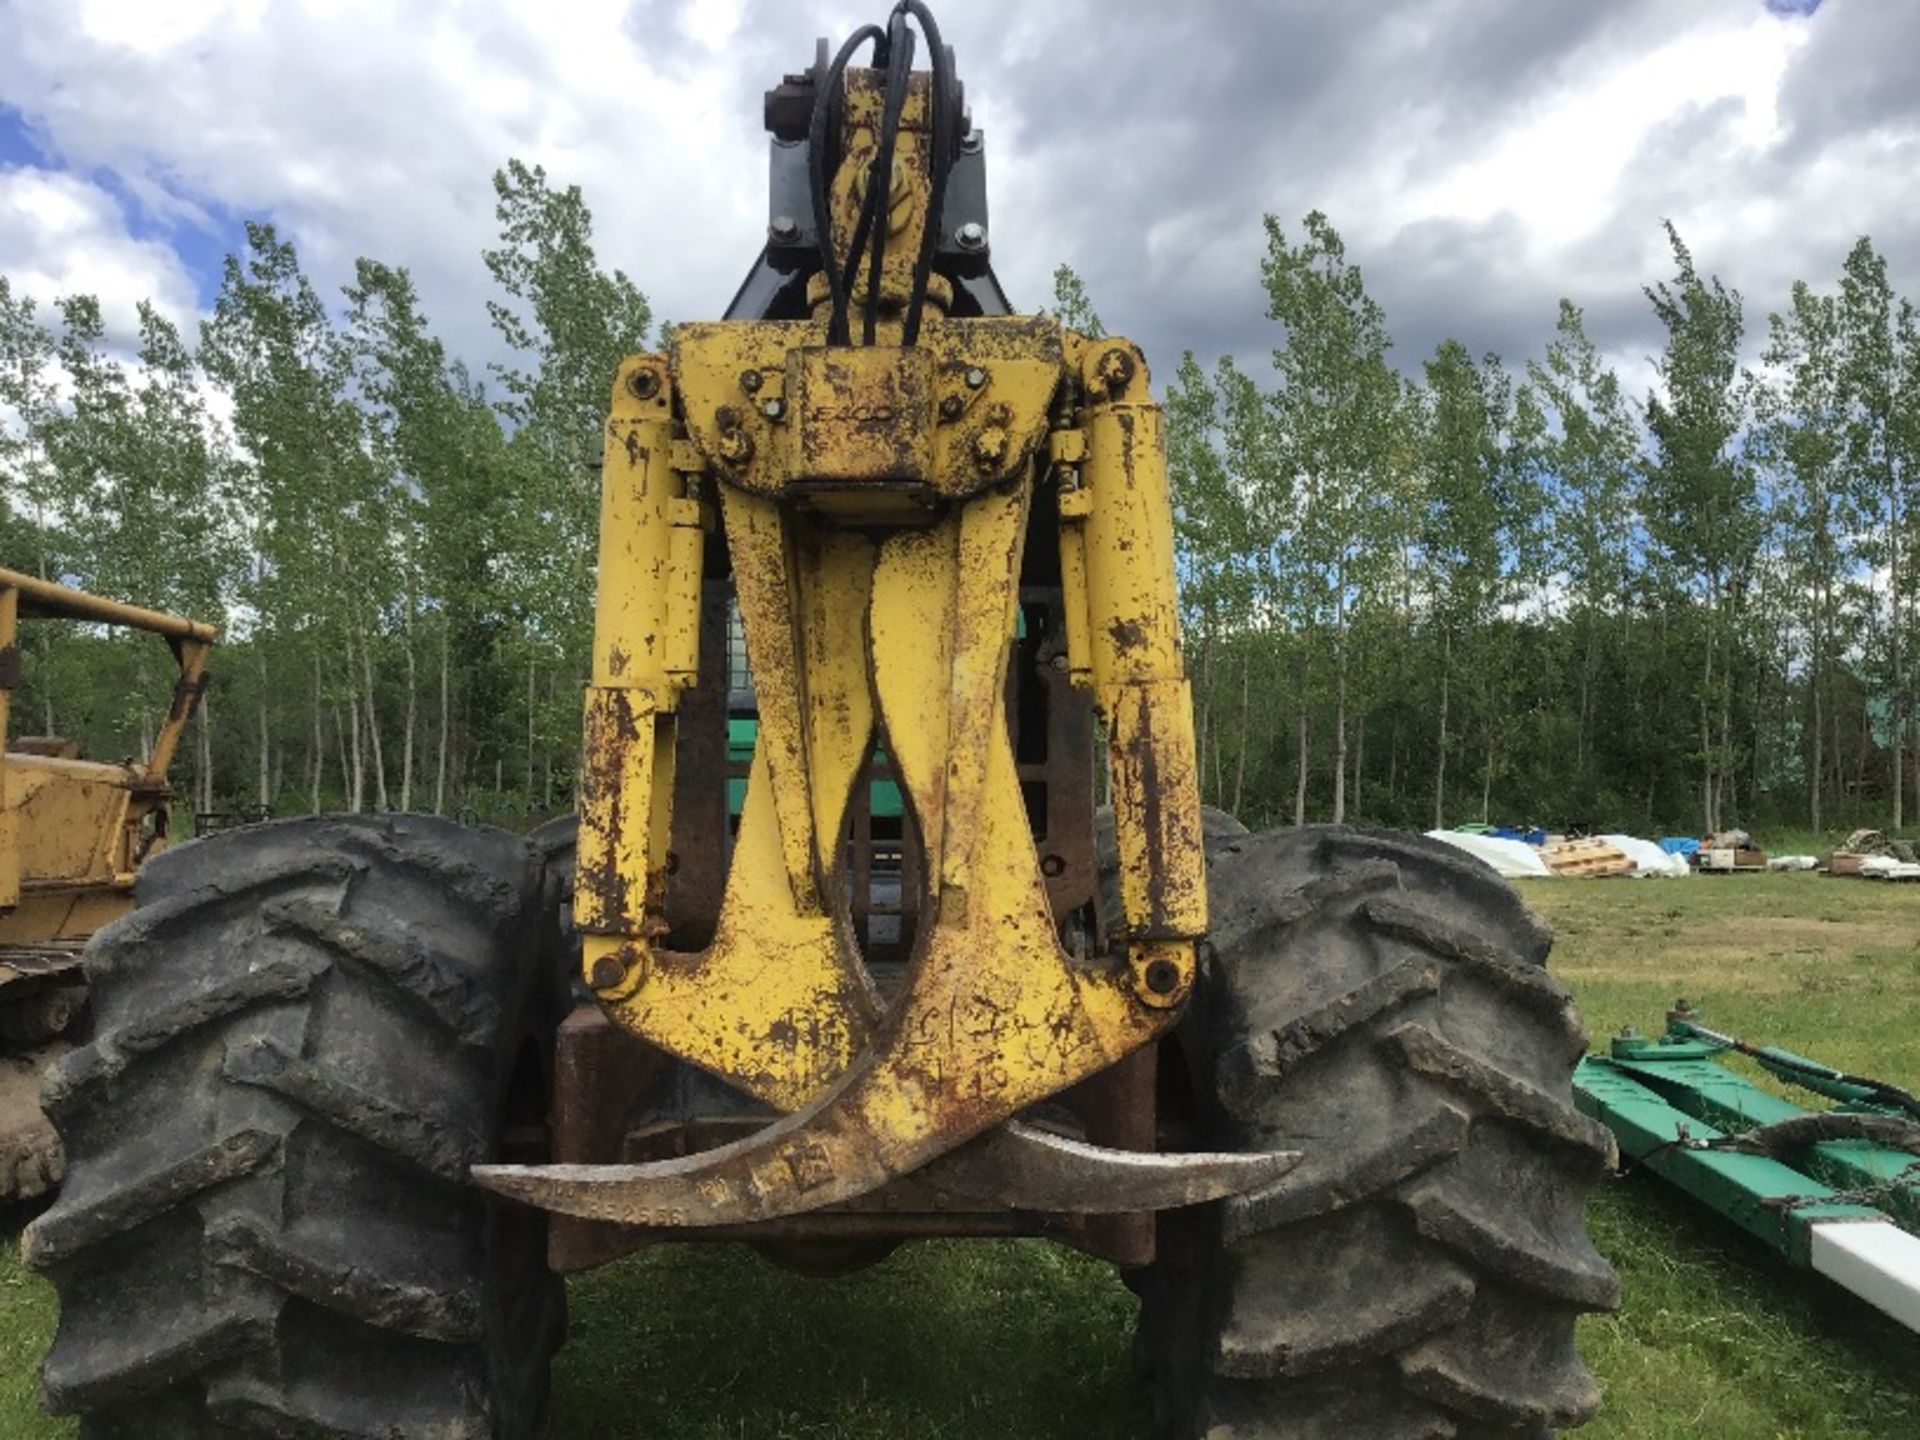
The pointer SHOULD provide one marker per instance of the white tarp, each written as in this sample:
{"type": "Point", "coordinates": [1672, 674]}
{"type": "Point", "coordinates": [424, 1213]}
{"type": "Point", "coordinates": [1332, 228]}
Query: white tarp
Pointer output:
{"type": "Point", "coordinates": [1514, 859]}
{"type": "Point", "coordinates": [1885, 867]}
{"type": "Point", "coordinates": [1648, 858]}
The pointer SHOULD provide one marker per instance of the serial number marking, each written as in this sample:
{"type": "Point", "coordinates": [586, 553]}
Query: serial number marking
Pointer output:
{"type": "Point", "coordinates": [663, 1218]}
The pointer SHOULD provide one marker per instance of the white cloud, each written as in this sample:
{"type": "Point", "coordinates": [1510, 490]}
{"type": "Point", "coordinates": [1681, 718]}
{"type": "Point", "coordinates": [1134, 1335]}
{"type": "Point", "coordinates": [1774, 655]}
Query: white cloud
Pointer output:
{"type": "Point", "coordinates": [373, 128]}
{"type": "Point", "coordinates": [60, 234]}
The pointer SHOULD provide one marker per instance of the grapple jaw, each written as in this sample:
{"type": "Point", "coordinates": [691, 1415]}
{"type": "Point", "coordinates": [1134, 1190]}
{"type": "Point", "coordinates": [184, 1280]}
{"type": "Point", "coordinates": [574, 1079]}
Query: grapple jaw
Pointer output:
{"type": "Point", "coordinates": [877, 501]}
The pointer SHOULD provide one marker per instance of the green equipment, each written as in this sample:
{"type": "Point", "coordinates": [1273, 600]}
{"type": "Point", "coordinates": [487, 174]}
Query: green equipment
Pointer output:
{"type": "Point", "coordinates": [1829, 1189]}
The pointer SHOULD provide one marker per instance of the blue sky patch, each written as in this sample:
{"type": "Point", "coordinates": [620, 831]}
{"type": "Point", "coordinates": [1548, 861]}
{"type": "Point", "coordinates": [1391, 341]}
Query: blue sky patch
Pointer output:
{"type": "Point", "coordinates": [202, 245]}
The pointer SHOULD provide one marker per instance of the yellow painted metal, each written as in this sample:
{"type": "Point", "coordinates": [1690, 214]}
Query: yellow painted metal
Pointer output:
{"type": "Point", "coordinates": [995, 1014]}
{"type": "Point", "coordinates": [46, 599]}
{"type": "Point", "coordinates": [1124, 644]}
{"type": "Point", "coordinates": [876, 502]}
{"type": "Point", "coordinates": [645, 652]}
{"type": "Point", "coordinates": [778, 1001]}
{"type": "Point", "coordinates": [879, 434]}
{"type": "Point", "coordinates": [72, 832]}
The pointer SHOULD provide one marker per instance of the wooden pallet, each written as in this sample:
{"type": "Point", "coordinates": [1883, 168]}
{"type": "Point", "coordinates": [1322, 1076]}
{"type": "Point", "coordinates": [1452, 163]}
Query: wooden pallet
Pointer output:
{"type": "Point", "coordinates": [1590, 859]}
{"type": "Point", "coordinates": [1727, 861]}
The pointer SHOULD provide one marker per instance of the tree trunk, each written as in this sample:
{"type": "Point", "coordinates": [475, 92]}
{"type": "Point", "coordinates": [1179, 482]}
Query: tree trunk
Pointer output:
{"type": "Point", "coordinates": [1586, 697]}
{"type": "Point", "coordinates": [1393, 763]}
{"type": "Point", "coordinates": [1899, 680]}
{"type": "Point", "coordinates": [1440, 748]}
{"type": "Point", "coordinates": [204, 723]}
{"type": "Point", "coordinates": [319, 737]}
{"type": "Point", "coordinates": [373, 730]}
{"type": "Point", "coordinates": [1300, 702]}
{"type": "Point", "coordinates": [1203, 714]}
{"type": "Point", "coordinates": [1359, 757]}
{"type": "Point", "coordinates": [1709, 819]}
{"type": "Point", "coordinates": [413, 710]}
{"type": "Point", "coordinates": [440, 761]}
{"type": "Point", "coordinates": [1340, 724]}
{"type": "Point", "coordinates": [546, 757]}
{"type": "Point", "coordinates": [1817, 690]}
{"type": "Point", "coordinates": [1246, 704]}
{"type": "Point", "coordinates": [526, 792]}
{"type": "Point", "coordinates": [346, 764]}
{"type": "Point", "coordinates": [266, 746]}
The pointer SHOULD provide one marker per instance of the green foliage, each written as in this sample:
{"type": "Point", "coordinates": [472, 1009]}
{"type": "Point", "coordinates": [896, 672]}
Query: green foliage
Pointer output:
{"type": "Point", "coordinates": [403, 573]}
{"type": "Point", "coordinates": [1072, 304]}
{"type": "Point", "coordinates": [1527, 598]}
{"type": "Point", "coordinates": [1456, 590]}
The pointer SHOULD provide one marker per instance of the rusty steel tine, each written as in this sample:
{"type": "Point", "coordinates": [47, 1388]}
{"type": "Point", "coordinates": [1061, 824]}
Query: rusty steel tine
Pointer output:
{"type": "Point", "coordinates": [1014, 1167]}
{"type": "Point", "coordinates": [1018, 1167]}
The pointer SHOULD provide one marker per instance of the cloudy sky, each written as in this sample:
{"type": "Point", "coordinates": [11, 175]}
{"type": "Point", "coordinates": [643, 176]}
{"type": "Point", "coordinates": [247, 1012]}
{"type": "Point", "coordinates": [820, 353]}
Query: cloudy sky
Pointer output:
{"type": "Point", "coordinates": [1481, 157]}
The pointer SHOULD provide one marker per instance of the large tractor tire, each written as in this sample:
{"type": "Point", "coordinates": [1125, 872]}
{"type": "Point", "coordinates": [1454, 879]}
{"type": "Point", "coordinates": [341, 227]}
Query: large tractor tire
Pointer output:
{"type": "Point", "coordinates": [1378, 1002]}
{"type": "Point", "coordinates": [305, 1035]}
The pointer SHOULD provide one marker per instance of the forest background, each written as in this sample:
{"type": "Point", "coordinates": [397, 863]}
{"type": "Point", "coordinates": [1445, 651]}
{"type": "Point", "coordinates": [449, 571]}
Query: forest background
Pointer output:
{"type": "Point", "coordinates": [1417, 590]}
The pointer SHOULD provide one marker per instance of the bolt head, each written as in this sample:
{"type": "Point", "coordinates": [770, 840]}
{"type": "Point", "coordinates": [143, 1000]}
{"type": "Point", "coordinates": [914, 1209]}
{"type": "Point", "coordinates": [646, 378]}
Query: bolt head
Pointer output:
{"type": "Point", "coordinates": [608, 972]}
{"type": "Point", "coordinates": [972, 235]}
{"type": "Point", "coordinates": [751, 380]}
{"type": "Point", "coordinates": [990, 447]}
{"type": "Point", "coordinates": [1163, 977]}
{"type": "Point", "coordinates": [976, 377]}
{"type": "Point", "coordinates": [1116, 369]}
{"type": "Point", "coordinates": [784, 229]}
{"type": "Point", "coordinates": [951, 406]}
{"type": "Point", "coordinates": [971, 142]}
{"type": "Point", "coordinates": [773, 407]}
{"type": "Point", "coordinates": [645, 384]}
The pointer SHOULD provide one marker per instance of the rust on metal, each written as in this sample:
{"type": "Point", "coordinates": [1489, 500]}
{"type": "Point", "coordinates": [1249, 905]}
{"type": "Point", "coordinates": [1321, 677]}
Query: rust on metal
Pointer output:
{"type": "Point", "coordinates": [892, 513]}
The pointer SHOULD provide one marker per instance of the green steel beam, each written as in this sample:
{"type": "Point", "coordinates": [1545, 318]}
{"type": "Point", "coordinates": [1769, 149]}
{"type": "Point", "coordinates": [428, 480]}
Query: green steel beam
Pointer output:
{"type": "Point", "coordinates": [1676, 1068]}
{"type": "Point", "coordinates": [1764, 1197]}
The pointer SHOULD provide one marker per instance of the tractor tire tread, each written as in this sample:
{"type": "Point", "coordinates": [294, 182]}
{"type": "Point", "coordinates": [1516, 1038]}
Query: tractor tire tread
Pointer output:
{"type": "Point", "coordinates": [305, 1032]}
{"type": "Point", "coordinates": [1378, 1002]}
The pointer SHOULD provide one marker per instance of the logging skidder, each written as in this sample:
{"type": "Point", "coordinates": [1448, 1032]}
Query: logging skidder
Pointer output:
{"type": "Point", "coordinates": [357, 1101]}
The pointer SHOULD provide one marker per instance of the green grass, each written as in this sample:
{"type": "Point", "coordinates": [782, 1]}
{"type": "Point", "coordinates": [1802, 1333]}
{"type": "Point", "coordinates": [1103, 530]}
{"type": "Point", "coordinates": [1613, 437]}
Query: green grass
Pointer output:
{"type": "Point", "coordinates": [1020, 1341]}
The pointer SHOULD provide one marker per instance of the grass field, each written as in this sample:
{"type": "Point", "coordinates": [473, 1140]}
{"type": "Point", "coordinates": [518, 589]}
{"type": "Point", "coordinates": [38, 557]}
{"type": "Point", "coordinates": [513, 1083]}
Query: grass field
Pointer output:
{"type": "Point", "coordinates": [1018, 1341]}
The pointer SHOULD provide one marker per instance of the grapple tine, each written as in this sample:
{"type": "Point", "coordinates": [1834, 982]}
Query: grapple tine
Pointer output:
{"type": "Point", "coordinates": [1014, 1167]}
{"type": "Point", "coordinates": [1020, 1168]}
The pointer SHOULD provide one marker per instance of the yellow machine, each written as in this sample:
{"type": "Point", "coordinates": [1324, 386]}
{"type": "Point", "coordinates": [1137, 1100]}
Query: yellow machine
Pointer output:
{"type": "Point", "coordinates": [393, 1077]}
{"type": "Point", "coordinates": [72, 834]}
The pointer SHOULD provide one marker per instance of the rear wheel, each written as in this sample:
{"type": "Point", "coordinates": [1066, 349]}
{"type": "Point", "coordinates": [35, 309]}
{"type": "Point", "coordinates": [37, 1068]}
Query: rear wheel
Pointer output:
{"type": "Point", "coordinates": [1379, 1002]}
{"type": "Point", "coordinates": [306, 1033]}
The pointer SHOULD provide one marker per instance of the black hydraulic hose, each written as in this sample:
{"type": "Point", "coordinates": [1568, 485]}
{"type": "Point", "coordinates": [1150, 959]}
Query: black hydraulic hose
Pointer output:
{"type": "Point", "coordinates": [1882, 1090]}
{"type": "Point", "coordinates": [880, 177]}
{"type": "Point", "coordinates": [940, 149]}
{"type": "Point", "coordinates": [817, 175]}
{"type": "Point", "coordinates": [895, 52]}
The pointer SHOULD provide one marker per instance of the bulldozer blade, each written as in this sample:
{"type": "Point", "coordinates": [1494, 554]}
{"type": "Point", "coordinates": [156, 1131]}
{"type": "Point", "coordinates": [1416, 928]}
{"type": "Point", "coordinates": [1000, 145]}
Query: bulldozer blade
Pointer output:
{"type": "Point", "coordinates": [1013, 1167]}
